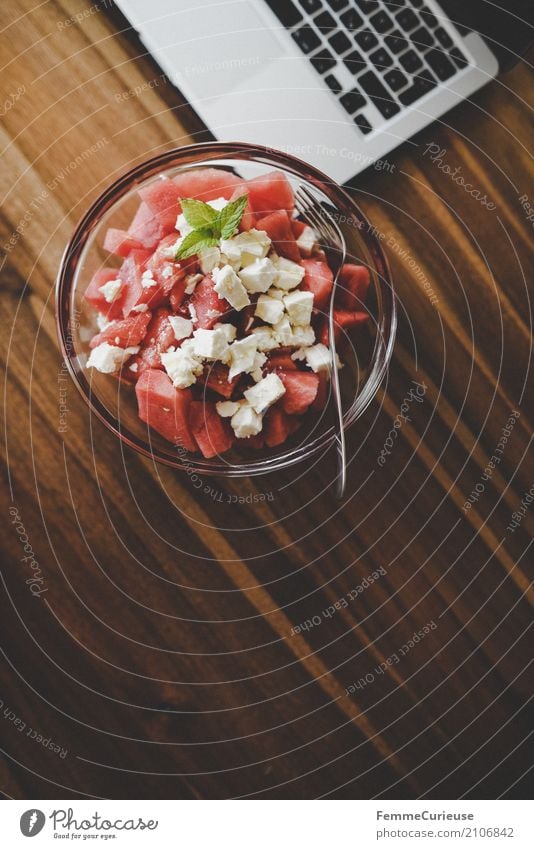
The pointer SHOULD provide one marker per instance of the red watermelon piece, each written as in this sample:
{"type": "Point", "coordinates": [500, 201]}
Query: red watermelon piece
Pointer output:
{"type": "Point", "coordinates": [208, 307]}
{"type": "Point", "coordinates": [255, 442]}
{"type": "Point", "coordinates": [318, 278]}
{"type": "Point", "coordinates": [343, 319]}
{"type": "Point", "coordinates": [248, 221]}
{"type": "Point", "coordinates": [213, 434]}
{"type": "Point", "coordinates": [147, 228]}
{"type": "Point", "coordinates": [269, 192]}
{"type": "Point", "coordinates": [215, 377]}
{"type": "Point", "coordinates": [301, 390]}
{"type": "Point", "coordinates": [277, 225]}
{"type": "Point", "coordinates": [278, 426]}
{"type": "Point", "coordinates": [94, 296]}
{"type": "Point", "coordinates": [164, 408]}
{"type": "Point", "coordinates": [282, 361]}
{"type": "Point", "coordinates": [163, 196]}
{"type": "Point", "coordinates": [354, 283]}
{"type": "Point", "coordinates": [119, 242]}
{"type": "Point", "coordinates": [322, 391]}
{"type": "Point", "coordinates": [124, 332]}
{"type": "Point", "coordinates": [131, 272]}
{"type": "Point", "coordinates": [159, 337]}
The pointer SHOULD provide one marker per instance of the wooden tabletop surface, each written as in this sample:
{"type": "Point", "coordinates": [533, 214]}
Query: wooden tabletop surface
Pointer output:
{"type": "Point", "coordinates": [157, 653]}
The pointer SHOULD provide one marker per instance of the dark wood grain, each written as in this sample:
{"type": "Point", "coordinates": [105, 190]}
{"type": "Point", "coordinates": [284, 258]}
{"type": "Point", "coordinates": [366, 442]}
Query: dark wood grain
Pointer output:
{"type": "Point", "coordinates": [162, 655]}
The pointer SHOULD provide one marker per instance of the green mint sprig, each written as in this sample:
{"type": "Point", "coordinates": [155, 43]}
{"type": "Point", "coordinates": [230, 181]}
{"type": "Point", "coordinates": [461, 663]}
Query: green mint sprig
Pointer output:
{"type": "Point", "coordinates": [209, 225]}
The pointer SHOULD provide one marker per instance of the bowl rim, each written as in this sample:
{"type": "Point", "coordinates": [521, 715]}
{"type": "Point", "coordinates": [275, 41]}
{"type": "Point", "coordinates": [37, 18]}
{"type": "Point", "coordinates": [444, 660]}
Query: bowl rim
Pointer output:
{"type": "Point", "coordinates": [200, 155]}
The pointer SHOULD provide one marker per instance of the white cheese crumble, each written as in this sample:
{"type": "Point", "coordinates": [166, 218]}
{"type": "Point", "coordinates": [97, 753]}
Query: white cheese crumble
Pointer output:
{"type": "Point", "coordinates": [259, 275]}
{"type": "Point", "coordinates": [182, 327]}
{"type": "Point", "coordinates": [228, 329]}
{"type": "Point", "coordinates": [181, 366]}
{"type": "Point", "coordinates": [229, 286]}
{"type": "Point", "coordinates": [299, 307]}
{"type": "Point", "coordinates": [241, 356]}
{"type": "Point", "coordinates": [147, 279]}
{"type": "Point", "coordinates": [246, 421]}
{"type": "Point", "coordinates": [111, 290]}
{"type": "Point", "coordinates": [318, 357]}
{"type": "Point", "coordinates": [109, 358]}
{"type": "Point", "coordinates": [210, 344]}
{"type": "Point", "coordinates": [265, 393]}
{"type": "Point", "coordinates": [226, 409]}
{"type": "Point", "coordinates": [265, 338]}
{"type": "Point", "coordinates": [208, 258]}
{"type": "Point", "coordinates": [191, 282]}
{"type": "Point", "coordinates": [289, 274]}
{"type": "Point", "coordinates": [306, 241]}
{"type": "Point", "coordinates": [269, 309]}
{"type": "Point", "coordinates": [140, 308]}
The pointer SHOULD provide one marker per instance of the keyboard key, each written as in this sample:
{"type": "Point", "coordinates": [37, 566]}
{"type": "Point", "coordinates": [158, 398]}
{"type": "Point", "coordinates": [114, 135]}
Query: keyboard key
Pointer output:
{"type": "Point", "coordinates": [443, 37]}
{"type": "Point", "coordinates": [352, 100]}
{"type": "Point", "coordinates": [381, 59]}
{"type": "Point", "coordinates": [307, 39]}
{"type": "Point", "coordinates": [429, 18]}
{"type": "Point", "coordinates": [417, 3]}
{"type": "Point", "coordinates": [351, 19]}
{"type": "Point", "coordinates": [421, 86]}
{"type": "Point", "coordinates": [395, 79]}
{"type": "Point", "coordinates": [367, 6]}
{"type": "Point", "coordinates": [332, 83]}
{"type": "Point", "coordinates": [459, 58]}
{"type": "Point", "coordinates": [355, 62]}
{"type": "Point", "coordinates": [311, 6]}
{"type": "Point", "coordinates": [340, 43]}
{"type": "Point", "coordinates": [286, 12]}
{"type": "Point", "coordinates": [381, 22]}
{"type": "Point", "coordinates": [337, 5]}
{"type": "Point", "coordinates": [363, 124]}
{"type": "Point", "coordinates": [323, 61]}
{"type": "Point", "coordinates": [325, 22]}
{"type": "Point", "coordinates": [440, 64]}
{"type": "Point", "coordinates": [366, 39]}
{"type": "Point", "coordinates": [410, 61]}
{"type": "Point", "coordinates": [407, 20]}
{"type": "Point", "coordinates": [396, 41]}
{"type": "Point", "coordinates": [379, 94]}
{"type": "Point", "coordinates": [422, 38]}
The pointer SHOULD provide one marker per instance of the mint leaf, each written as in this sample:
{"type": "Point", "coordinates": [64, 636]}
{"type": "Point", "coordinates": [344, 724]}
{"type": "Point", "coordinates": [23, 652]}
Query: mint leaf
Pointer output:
{"type": "Point", "coordinates": [194, 242]}
{"type": "Point", "coordinates": [230, 216]}
{"type": "Point", "coordinates": [198, 214]}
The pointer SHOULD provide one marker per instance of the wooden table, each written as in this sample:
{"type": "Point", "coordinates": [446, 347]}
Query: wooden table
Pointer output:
{"type": "Point", "coordinates": [158, 656]}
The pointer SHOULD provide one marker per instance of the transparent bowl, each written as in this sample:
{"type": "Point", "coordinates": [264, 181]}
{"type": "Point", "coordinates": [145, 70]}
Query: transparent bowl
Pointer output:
{"type": "Point", "coordinates": [113, 401]}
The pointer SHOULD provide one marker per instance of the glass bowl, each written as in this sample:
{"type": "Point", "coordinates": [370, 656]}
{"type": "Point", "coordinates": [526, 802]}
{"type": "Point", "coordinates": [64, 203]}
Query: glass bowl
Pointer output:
{"type": "Point", "coordinates": [113, 401]}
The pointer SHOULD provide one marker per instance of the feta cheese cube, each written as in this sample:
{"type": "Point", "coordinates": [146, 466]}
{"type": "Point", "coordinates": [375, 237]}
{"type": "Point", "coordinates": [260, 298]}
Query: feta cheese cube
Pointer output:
{"type": "Point", "coordinates": [109, 358]}
{"type": "Point", "coordinates": [140, 308]}
{"type": "Point", "coordinates": [182, 327]}
{"type": "Point", "coordinates": [259, 275]}
{"type": "Point", "coordinates": [242, 356]}
{"type": "Point", "coordinates": [283, 331]}
{"type": "Point", "coordinates": [111, 290]}
{"type": "Point", "coordinates": [253, 244]}
{"type": "Point", "coordinates": [226, 409]}
{"type": "Point", "coordinates": [302, 336]}
{"type": "Point", "coordinates": [269, 309]}
{"type": "Point", "coordinates": [265, 338]}
{"type": "Point", "coordinates": [134, 367]}
{"type": "Point", "coordinates": [181, 366]}
{"type": "Point", "coordinates": [191, 281]}
{"type": "Point", "coordinates": [229, 286]}
{"type": "Point", "coordinates": [182, 226]}
{"type": "Point", "coordinates": [193, 313]}
{"type": "Point", "coordinates": [102, 321]}
{"type": "Point", "coordinates": [299, 307]}
{"type": "Point", "coordinates": [318, 357]}
{"type": "Point", "coordinates": [278, 294]}
{"type": "Point", "coordinates": [210, 344]}
{"type": "Point", "coordinates": [231, 252]}
{"type": "Point", "coordinates": [147, 279]}
{"type": "Point", "coordinates": [306, 241]}
{"type": "Point", "coordinates": [228, 329]}
{"type": "Point", "coordinates": [208, 258]}
{"type": "Point", "coordinates": [289, 273]}
{"type": "Point", "coordinates": [265, 393]}
{"type": "Point", "coordinates": [246, 422]}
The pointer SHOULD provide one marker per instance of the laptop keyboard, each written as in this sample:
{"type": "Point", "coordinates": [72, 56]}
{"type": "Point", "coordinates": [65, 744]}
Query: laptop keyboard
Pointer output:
{"type": "Point", "coordinates": [395, 51]}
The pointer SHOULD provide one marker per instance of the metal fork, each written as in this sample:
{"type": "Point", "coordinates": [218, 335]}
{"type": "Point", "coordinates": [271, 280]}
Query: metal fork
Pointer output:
{"type": "Point", "coordinates": [333, 242]}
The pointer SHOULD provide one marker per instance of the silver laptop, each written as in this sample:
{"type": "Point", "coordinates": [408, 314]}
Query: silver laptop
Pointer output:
{"type": "Point", "coordinates": [338, 83]}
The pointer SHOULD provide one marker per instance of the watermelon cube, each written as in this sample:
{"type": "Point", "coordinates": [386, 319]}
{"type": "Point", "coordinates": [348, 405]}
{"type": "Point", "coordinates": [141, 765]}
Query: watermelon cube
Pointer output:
{"type": "Point", "coordinates": [131, 272]}
{"type": "Point", "coordinates": [212, 433]}
{"type": "Point", "coordinates": [147, 227]}
{"type": "Point", "coordinates": [208, 307]}
{"type": "Point", "coordinates": [318, 278]}
{"type": "Point", "coordinates": [119, 242]}
{"type": "Point", "coordinates": [278, 426]}
{"type": "Point", "coordinates": [215, 377]}
{"type": "Point", "coordinates": [322, 391]}
{"type": "Point", "coordinates": [301, 390]}
{"type": "Point", "coordinates": [343, 319]}
{"type": "Point", "coordinates": [248, 221]}
{"type": "Point", "coordinates": [354, 283]}
{"type": "Point", "coordinates": [279, 361]}
{"type": "Point", "coordinates": [164, 408]}
{"type": "Point", "coordinates": [123, 332]}
{"type": "Point", "coordinates": [95, 297]}
{"type": "Point", "coordinates": [159, 337]}
{"type": "Point", "coordinates": [278, 227]}
{"type": "Point", "coordinates": [269, 192]}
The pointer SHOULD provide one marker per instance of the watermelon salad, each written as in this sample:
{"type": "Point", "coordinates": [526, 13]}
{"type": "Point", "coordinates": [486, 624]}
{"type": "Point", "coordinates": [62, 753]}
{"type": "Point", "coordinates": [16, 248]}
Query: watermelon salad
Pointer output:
{"type": "Point", "coordinates": [218, 312]}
